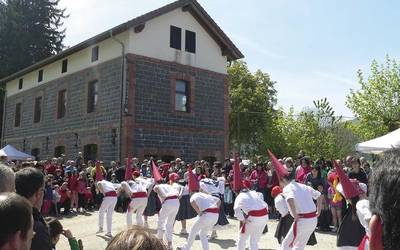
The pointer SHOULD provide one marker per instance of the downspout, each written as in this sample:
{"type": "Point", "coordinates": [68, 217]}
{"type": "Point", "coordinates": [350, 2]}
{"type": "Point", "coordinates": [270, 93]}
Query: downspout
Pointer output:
{"type": "Point", "coordinates": [122, 105]}
{"type": "Point", "coordinates": [3, 125]}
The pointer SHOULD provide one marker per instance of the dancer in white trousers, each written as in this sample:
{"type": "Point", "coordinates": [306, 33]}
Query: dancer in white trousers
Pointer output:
{"type": "Point", "coordinates": [137, 190]}
{"type": "Point", "coordinates": [252, 211]}
{"type": "Point", "coordinates": [207, 208]}
{"type": "Point", "coordinates": [107, 206]}
{"type": "Point", "coordinates": [169, 195]}
{"type": "Point", "coordinates": [300, 199]}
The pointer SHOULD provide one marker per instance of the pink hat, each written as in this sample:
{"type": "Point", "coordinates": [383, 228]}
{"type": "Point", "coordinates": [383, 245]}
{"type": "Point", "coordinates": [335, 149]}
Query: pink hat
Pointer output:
{"type": "Point", "coordinates": [275, 191]}
{"type": "Point", "coordinates": [173, 177]}
{"type": "Point", "coordinates": [350, 188]}
{"type": "Point", "coordinates": [246, 184]}
{"type": "Point", "coordinates": [192, 181]}
{"type": "Point", "coordinates": [280, 170]}
{"type": "Point", "coordinates": [136, 173]}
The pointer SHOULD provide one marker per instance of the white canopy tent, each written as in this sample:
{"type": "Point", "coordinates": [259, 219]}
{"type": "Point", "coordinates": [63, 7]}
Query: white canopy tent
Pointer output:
{"type": "Point", "coordinates": [13, 154]}
{"type": "Point", "coordinates": [380, 144]}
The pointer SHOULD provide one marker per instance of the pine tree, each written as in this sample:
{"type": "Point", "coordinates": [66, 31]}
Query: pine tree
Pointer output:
{"type": "Point", "coordinates": [30, 30]}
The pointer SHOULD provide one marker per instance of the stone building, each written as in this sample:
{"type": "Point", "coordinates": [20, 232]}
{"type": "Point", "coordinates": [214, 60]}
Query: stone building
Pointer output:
{"type": "Point", "coordinates": [153, 86]}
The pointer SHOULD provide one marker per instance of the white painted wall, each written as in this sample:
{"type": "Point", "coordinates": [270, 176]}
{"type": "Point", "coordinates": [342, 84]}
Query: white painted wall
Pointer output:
{"type": "Point", "coordinates": [108, 49]}
{"type": "Point", "coordinates": [153, 41]}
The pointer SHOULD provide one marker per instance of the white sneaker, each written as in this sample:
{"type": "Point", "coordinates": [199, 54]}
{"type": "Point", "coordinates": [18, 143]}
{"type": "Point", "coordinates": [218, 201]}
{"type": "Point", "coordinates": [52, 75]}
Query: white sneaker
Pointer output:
{"type": "Point", "coordinates": [99, 231]}
{"type": "Point", "coordinates": [108, 235]}
{"type": "Point", "coordinates": [183, 231]}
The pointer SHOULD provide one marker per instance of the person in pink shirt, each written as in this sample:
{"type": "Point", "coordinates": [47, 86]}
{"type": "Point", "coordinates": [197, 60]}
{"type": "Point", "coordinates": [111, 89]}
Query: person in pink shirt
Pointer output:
{"type": "Point", "coordinates": [259, 178]}
{"type": "Point", "coordinates": [303, 169]}
{"type": "Point", "coordinates": [73, 186]}
{"type": "Point", "coordinates": [81, 189]}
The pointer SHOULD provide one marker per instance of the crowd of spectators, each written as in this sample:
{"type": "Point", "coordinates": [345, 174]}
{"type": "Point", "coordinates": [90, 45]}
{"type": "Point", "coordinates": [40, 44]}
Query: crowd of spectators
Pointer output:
{"type": "Point", "coordinates": [69, 185]}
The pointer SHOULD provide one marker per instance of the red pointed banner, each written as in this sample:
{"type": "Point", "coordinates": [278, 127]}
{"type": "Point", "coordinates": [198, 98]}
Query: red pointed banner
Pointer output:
{"type": "Point", "coordinates": [99, 173]}
{"type": "Point", "coordinates": [349, 190]}
{"type": "Point", "coordinates": [192, 180]}
{"type": "Point", "coordinates": [156, 173]}
{"type": "Point", "coordinates": [237, 176]}
{"type": "Point", "coordinates": [128, 170]}
{"type": "Point", "coordinates": [280, 170]}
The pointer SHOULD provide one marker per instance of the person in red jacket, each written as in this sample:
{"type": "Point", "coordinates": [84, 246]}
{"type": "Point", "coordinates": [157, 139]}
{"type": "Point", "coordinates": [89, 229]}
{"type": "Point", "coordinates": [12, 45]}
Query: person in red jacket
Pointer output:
{"type": "Point", "coordinates": [303, 169]}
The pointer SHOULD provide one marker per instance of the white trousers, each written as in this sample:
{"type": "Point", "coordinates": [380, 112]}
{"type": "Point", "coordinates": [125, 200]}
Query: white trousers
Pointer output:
{"type": "Point", "coordinates": [107, 206]}
{"type": "Point", "coordinates": [305, 227]}
{"type": "Point", "coordinates": [166, 219]}
{"type": "Point", "coordinates": [137, 205]}
{"type": "Point", "coordinates": [254, 228]}
{"type": "Point", "coordinates": [202, 226]}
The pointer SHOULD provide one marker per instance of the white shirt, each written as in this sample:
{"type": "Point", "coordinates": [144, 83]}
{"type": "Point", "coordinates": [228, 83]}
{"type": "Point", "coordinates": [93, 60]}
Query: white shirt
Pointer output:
{"type": "Point", "coordinates": [107, 186]}
{"type": "Point", "coordinates": [185, 190]}
{"type": "Point", "coordinates": [364, 214]}
{"type": "Point", "coordinates": [211, 186]}
{"type": "Point", "coordinates": [302, 195]}
{"type": "Point", "coordinates": [248, 201]}
{"type": "Point", "coordinates": [169, 190]}
{"type": "Point", "coordinates": [281, 205]}
{"type": "Point", "coordinates": [138, 185]}
{"type": "Point", "coordinates": [204, 201]}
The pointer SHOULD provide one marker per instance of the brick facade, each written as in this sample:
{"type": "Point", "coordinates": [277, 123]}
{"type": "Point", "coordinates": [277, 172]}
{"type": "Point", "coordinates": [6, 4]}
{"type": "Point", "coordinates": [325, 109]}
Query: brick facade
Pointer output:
{"type": "Point", "coordinates": [155, 128]}
{"type": "Point", "coordinates": [150, 127]}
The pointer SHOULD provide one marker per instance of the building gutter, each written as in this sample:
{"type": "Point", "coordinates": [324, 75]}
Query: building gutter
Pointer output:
{"type": "Point", "coordinates": [123, 85]}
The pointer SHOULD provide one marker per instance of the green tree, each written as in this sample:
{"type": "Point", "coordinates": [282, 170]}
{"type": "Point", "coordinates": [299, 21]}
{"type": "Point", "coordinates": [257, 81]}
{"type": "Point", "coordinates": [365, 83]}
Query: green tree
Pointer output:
{"type": "Point", "coordinates": [252, 98]}
{"type": "Point", "coordinates": [377, 103]}
{"type": "Point", "coordinates": [318, 131]}
{"type": "Point", "coordinates": [29, 32]}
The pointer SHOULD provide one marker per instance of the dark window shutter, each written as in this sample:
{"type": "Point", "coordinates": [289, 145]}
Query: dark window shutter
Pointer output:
{"type": "Point", "coordinates": [175, 37]}
{"type": "Point", "coordinates": [40, 75]}
{"type": "Point", "coordinates": [17, 121]}
{"type": "Point", "coordinates": [20, 83]}
{"type": "Point", "coordinates": [190, 41]}
{"type": "Point", "coordinates": [95, 53]}
{"type": "Point", "coordinates": [64, 67]}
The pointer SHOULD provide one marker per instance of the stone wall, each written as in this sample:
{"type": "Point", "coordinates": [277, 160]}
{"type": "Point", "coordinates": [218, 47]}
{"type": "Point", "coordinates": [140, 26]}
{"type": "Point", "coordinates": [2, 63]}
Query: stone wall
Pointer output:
{"type": "Point", "coordinates": [78, 127]}
{"type": "Point", "coordinates": [156, 128]}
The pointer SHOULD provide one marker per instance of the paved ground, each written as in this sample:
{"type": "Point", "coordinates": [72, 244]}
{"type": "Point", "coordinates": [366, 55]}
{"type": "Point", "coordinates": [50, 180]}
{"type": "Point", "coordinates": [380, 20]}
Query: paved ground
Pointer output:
{"type": "Point", "coordinates": [84, 227]}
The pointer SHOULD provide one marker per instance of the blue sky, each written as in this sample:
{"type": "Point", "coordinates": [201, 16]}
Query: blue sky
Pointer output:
{"type": "Point", "coordinates": [312, 48]}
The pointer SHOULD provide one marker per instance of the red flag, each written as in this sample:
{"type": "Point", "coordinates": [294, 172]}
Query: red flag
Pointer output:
{"type": "Point", "coordinates": [128, 170]}
{"type": "Point", "coordinates": [237, 177]}
{"type": "Point", "coordinates": [349, 190]}
{"type": "Point", "coordinates": [192, 180]}
{"type": "Point", "coordinates": [99, 173]}
{"type": "Point", "coordinates": [156, 174]}
{"type": "Point", "coordinates": [280, 170]}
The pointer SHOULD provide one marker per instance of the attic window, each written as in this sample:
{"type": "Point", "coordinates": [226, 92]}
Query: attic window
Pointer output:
{"type": "Point", "coordinates": [175, 37]}
{"type": "Point", "coordinates": [64, 66]}
{"type": "Point", "coordinates": [40, 75]}
{"type": "Point", "coordinates": [20, 83]}
{"type": "Point", "coordinates": [95, 53]}
{"type": "Point", "coordinates": [190, 41]}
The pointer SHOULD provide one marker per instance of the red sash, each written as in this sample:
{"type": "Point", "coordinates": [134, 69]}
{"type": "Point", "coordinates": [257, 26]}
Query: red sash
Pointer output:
{"type": "Point", "coordinates": [212, 210]}
{"type": "Point", "coordinates": [111, 194]}
{"type": "Point", "coordinates": [302, 216]}
{"type": "Point", "coordinates": [255, 213]}
{"type": "Point", "coordinates": [139, 195]}
{"type": "Point", "coordinates": [258, 213]}
{"type": "Point", "coordinates": [171, 197]}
